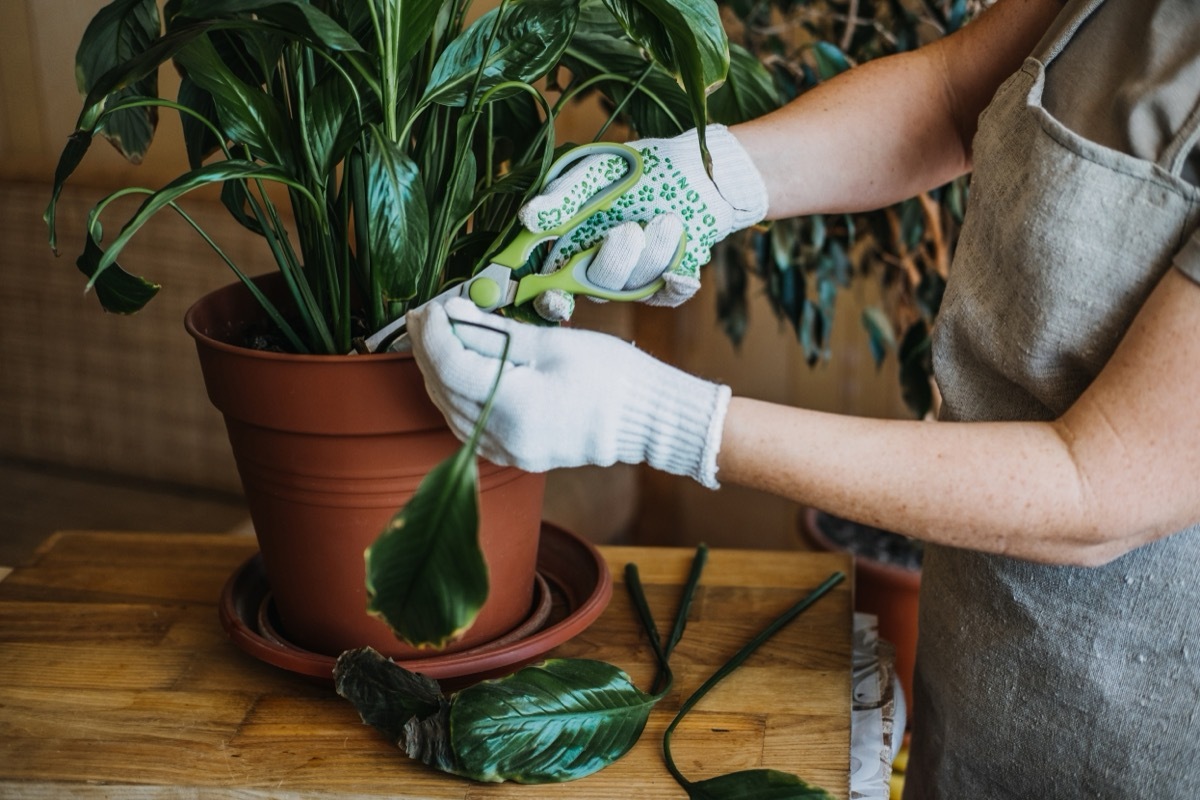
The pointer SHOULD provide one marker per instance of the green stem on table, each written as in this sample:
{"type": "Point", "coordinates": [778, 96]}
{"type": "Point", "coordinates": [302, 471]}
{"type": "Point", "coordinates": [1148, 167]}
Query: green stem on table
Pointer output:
{"type": "Point", "coordinates": [736, 661]}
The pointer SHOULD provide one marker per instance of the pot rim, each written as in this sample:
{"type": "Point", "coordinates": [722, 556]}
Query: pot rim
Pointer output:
{"type": "Point", "coordinates": [193, 329]}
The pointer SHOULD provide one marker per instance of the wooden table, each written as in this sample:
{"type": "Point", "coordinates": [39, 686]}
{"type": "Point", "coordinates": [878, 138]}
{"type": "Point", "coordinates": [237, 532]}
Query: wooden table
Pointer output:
{"type": "Point", "coordinates": [117, 681]}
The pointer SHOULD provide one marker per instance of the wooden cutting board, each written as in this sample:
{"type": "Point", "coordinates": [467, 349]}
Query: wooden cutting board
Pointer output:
{"type": "Point", "coordinates": [117, 681]}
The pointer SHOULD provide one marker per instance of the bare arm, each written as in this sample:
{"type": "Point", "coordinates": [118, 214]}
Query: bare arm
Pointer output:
{"type": "Point", "coordinates": [891, 128]}
{"type": "Point", "coordinates": [1117, 470]}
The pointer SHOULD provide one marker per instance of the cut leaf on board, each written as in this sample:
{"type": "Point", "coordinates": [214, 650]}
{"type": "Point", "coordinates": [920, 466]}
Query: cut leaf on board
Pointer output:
{"type": "Point", "coordinates": [555, 721]}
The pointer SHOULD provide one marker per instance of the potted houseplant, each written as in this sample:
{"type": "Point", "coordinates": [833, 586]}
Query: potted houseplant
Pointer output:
{"type": "Point", "coordinates": [379, 150]}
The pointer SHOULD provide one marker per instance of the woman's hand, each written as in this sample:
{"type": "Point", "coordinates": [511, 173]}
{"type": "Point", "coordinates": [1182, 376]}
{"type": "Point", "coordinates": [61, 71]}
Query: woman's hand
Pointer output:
{"type": "Point", "coordinates": [566, 398]}
{"type": "Point", "coordinates": [640, 234]}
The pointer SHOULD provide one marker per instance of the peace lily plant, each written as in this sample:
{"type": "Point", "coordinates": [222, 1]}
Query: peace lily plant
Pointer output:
{"type": "Point", "coordinates": [403, 138]}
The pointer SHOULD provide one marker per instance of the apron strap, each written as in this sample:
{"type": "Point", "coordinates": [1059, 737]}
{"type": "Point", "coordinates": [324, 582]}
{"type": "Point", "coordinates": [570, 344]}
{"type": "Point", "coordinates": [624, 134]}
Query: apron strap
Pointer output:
{"type": "Point", "coordinates": [1181, 147]}
{"type": "Point", "coordinates": [1063, 28]}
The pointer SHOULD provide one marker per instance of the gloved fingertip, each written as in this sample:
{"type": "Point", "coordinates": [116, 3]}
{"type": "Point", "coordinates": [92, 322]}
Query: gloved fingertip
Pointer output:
{"type": "Point", "coordinates": [665, 226]}
{"type": "Point", "coordinates": [483, 338]}
{"type": "Point", "coordinates": [677, 289]}
{"type": "Point", "coordinates": [618, 256]}
{"type": "Point", "coordinates": [664, 239]}
{"type": "Point", "coordinates": [462, 308]}
{"type": "Point", "coordinates": [554, 305]}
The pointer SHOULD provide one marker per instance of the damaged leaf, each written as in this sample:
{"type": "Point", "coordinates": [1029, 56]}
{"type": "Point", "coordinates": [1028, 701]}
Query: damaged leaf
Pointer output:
{"type": "Point", "coordinates": [556, 721]}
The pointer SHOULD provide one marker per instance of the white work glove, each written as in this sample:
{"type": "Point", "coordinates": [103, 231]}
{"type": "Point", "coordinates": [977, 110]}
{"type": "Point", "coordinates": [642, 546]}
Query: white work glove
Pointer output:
{"type": "Point", "coordinates": [641, 231]}
{"type": "Point", "coordinates": [567, 397]}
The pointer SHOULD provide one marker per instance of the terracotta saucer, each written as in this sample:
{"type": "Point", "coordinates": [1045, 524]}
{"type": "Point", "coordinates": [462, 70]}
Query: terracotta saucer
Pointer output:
{"type": "Point", "coordinates": [270, 627]}
{"type": "Point", "coordinates": [573, 588]}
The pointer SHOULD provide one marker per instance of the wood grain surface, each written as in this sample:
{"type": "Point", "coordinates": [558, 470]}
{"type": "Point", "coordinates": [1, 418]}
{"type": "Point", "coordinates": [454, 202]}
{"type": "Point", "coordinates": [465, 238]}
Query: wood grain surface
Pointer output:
{"type": "Point", "coordinates": [117, 681]}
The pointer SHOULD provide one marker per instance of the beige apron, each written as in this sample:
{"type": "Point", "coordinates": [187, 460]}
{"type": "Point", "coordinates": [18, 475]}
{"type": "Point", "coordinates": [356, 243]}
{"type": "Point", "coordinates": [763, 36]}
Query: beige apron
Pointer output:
{"type": "Point", "coordinates": [1036, 681]}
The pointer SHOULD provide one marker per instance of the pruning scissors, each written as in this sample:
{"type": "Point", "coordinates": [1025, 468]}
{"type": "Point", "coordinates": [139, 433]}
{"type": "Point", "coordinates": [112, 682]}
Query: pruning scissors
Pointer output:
{"type": "Point", "coordinates": [495, 286]}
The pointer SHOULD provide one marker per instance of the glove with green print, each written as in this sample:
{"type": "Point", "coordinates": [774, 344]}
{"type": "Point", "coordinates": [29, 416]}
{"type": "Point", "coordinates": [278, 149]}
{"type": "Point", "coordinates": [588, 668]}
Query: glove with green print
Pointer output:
{"type": "Point", "coordinates": [640, 233]}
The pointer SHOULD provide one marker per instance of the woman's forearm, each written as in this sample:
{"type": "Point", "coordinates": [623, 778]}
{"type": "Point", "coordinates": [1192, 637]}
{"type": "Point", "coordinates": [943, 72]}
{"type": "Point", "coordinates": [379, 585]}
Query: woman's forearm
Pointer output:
{"type": "Point", "coordinates": [996, 487]}
{"type": "Point", "coordinates": [893, 127]}
{"type": "Point", "coordinates": [1117, 470]}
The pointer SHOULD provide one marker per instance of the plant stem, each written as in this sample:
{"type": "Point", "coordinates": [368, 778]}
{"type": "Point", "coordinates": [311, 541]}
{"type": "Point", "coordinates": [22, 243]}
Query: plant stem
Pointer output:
{"type": "Point", "coordinates": [685, 607]}
{"type": "Point", "coordinates": [633, 584]}
{"type": "Point", "coordinates": [736, 661]}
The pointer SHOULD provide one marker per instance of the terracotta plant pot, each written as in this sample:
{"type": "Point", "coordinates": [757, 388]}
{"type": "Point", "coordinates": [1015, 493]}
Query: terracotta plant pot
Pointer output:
{"type": "Point", "coordinates": [328, 449]}
{"type": "Point", "coordinates": [889, 592]}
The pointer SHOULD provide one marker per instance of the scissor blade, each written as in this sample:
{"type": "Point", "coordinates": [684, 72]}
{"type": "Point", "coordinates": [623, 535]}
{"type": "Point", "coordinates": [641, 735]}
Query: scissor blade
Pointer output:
{"type": "Point", "coordinates": [492, 288]}
{"type": "Point", "coordinates": [393, 330]}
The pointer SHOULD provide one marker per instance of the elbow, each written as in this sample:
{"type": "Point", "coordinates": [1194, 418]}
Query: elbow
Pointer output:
{"type": "Point", "coordinates": [1110, 542]}
{"type": "Point", "coordinates": [1100, 554]}
{"type": "Point", "coordinates": [1091, 533]}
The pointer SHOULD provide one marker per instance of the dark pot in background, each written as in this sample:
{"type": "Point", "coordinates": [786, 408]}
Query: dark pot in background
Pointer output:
{"type": "Point", "coordinates": [887, 591]}
{"type": "Point", "coordinates": [328, 449]}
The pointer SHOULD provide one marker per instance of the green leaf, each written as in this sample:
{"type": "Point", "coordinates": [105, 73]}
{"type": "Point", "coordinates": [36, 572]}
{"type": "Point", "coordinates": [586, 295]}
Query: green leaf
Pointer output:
{"type": "Point", "coordinates": [77, 146]}
{"type": "Point", "coordinates": [397, 216]}
{"type": "Point", "coordinates": [688, 39]}
{"type": "Point", "coordinates": [659, 108]}
{"type": "Point", "coordinates": [530, 39]}
{"type": "Point", "coordinates": [830, 59]}
{"type": "Point", "coordinates": [458, 197]}
{"type": "Point", "coordinates": [118, 32]}
{"type": "Point", "coordinates": [133, 70]}
{"type": "Point", "coordinates": [247, 114]}
{"type": "Point", "coordinates": [331, 122]}
{"type": "Point", "coordinates": [756, 784]}
{"type": "Point", "coordinates": [426, 576]}
{"type": "Point", "coordinates": [209, 174]}
{"type": "Point", "coordinates": [198, 139]}
{"type": "Point", "coordinates": [296, 18]}
{"type": "Point", "coordinates": [117, 290]}
{"type": "Point", "coordinates": [748, 93]}
{"type": "Point", "coordinates": [916, 369]}
{"type": "Point", "coordinates": [556, 721]}
{"type": "Point", "coordinates": [514, 123]}
{"type": "Point", "coordinates": [879, 332]}
{"type": "Point", "coordinates": [236, 199]}
{"type": "Point", "coordinates": [416, 21]}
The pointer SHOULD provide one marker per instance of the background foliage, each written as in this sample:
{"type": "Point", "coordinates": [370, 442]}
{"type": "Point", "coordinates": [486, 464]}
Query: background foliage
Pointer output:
{"type": "Point", "coordinates": [803, 264]}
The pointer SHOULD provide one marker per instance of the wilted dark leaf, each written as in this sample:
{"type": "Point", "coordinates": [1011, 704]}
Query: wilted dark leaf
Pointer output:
{"type": "Point", "coordinates": [117, 290]}
{"type": "Point", "coordinates": [118, 32]}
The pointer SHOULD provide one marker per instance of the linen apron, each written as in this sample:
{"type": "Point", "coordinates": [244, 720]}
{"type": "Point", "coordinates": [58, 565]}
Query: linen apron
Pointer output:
{"type": "Point", "coordinates": [1039, 681]}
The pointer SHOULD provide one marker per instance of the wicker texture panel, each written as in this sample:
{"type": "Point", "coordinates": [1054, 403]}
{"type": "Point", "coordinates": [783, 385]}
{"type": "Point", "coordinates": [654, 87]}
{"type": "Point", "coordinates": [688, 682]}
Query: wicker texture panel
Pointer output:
{"type": "Point", "coordinates": [83, 388]}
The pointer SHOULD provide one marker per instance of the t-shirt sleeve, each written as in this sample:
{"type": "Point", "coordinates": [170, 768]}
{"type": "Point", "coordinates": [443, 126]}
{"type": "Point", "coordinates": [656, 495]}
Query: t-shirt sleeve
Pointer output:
{"type": "Point", "coordinates": [1188, 258]}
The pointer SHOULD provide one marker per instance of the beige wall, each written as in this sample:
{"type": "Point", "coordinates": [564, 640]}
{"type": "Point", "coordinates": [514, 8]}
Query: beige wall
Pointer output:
{"type": "Point", "coordinates": [84, 388]}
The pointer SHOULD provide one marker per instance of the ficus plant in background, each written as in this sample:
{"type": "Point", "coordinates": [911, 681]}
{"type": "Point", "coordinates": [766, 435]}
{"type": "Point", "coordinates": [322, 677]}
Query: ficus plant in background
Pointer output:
{"type": "Point", "coordinates": [805, 263]}
{"type": "Point", "coordinates": [378, 149]}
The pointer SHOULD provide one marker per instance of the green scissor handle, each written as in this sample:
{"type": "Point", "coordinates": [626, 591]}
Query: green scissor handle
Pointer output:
{"type": "Point", "coordinates": [519, 249]}
{"type": "Point", "coordinates": [572, 277]}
